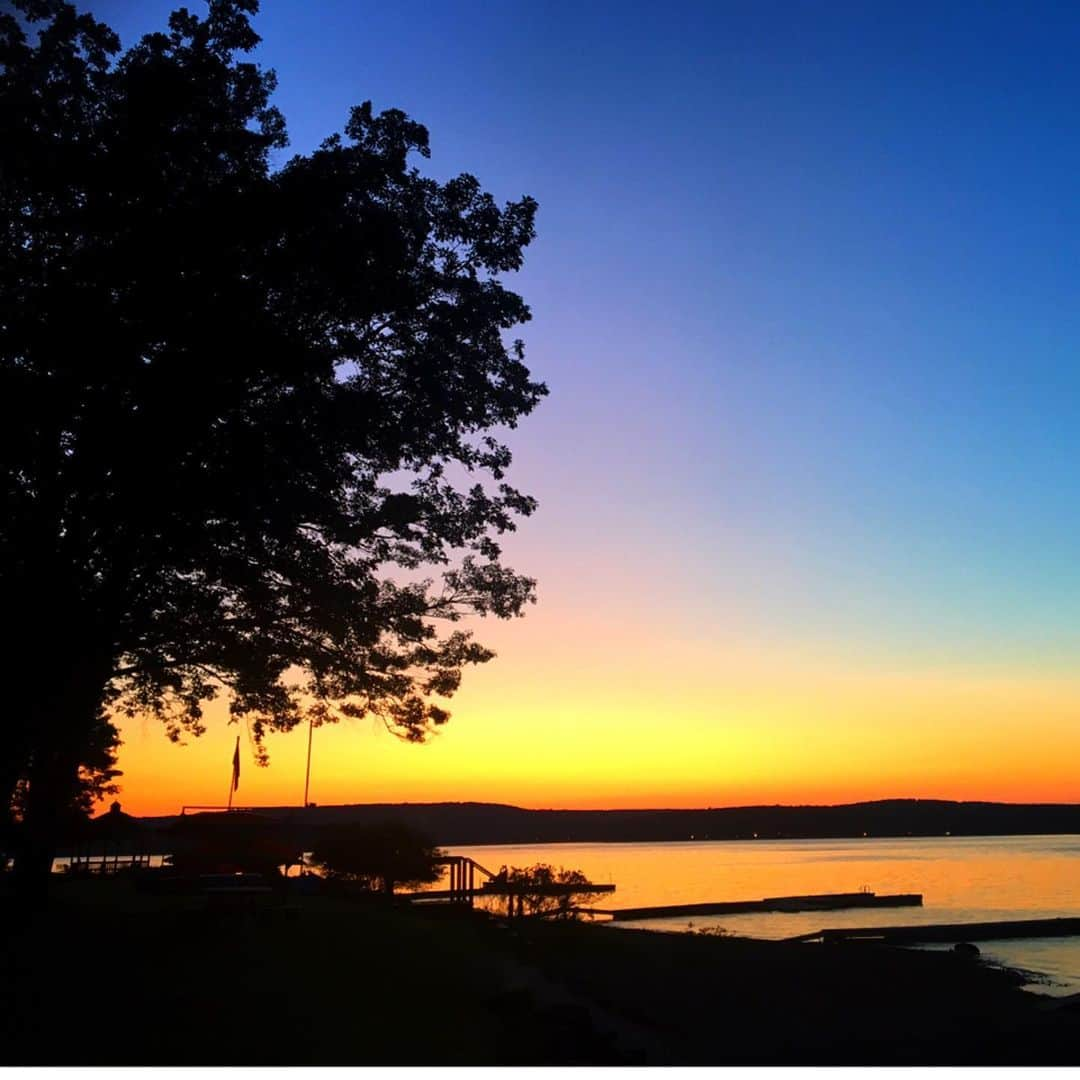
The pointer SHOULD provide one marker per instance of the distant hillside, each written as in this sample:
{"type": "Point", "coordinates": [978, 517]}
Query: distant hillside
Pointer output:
{"type": "Point", "coordinates": [491, 823]}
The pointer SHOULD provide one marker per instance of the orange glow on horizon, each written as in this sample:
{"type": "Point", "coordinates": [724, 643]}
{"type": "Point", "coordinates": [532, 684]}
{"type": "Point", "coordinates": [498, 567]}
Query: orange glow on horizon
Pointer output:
{"type": "Point", "coordinates": [722, 728]}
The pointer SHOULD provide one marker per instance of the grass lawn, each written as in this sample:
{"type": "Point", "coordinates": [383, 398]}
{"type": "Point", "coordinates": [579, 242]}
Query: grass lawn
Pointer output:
{"type": "Point", "coordinates": [112, 976]}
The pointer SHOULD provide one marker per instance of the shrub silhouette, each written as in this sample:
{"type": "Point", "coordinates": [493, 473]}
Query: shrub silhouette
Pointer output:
{"type": "Point", "coordinates": [231, 843]}
{"type": "Point", "coordinates": [377, 856]}
{"type": "Point", "coordinates": [528, 885]}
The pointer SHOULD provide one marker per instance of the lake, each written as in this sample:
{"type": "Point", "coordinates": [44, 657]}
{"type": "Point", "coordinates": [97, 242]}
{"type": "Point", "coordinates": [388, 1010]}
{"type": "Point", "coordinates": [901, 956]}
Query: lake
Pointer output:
{"type": "Point", "coordinates": [962, 879]}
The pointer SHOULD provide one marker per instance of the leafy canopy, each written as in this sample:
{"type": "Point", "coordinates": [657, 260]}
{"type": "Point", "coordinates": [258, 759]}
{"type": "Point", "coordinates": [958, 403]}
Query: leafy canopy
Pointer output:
{"type": "Point", "coordinates": [243, 407]}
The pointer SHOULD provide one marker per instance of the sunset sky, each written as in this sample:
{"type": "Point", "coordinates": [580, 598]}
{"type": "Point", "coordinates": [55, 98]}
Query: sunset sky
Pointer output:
{"type": "Point", "coordinates": [806, 292]}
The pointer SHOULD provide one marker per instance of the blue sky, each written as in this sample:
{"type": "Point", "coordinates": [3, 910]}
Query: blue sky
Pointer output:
{"type": "Point", "coordinates": [805, 290]}
{"type": "Point", "coordinates": [806, 294]}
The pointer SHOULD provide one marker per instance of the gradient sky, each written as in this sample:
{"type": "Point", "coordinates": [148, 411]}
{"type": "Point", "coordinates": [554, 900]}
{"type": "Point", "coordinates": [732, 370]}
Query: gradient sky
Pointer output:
{"type": "Point", "coordinates": [807, 296]}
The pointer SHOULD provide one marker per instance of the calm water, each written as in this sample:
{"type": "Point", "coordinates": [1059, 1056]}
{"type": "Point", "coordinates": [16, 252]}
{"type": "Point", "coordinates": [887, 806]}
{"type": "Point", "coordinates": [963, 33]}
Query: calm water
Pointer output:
{"type": "Point", "coordinates": [969, 879]}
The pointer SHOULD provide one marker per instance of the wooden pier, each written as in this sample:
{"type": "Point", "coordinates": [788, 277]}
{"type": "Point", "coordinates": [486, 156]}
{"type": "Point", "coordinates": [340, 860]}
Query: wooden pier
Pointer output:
{"type": "Point", "coordinates": [946, 933]}
{"type": "Point", "coordinates": [821, 902]}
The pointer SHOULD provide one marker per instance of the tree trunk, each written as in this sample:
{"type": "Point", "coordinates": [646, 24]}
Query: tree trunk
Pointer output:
{"type": "Point", "coordinates": [60, 732]}
{"type": "Point", "coordinates": [54, 779]}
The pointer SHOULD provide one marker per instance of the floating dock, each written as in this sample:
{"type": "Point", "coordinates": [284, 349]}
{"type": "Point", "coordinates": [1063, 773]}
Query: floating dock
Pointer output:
{"type": "Point", "coordinates": [948, 932]}
{"type": "Point", "coordinates": [821, 902]}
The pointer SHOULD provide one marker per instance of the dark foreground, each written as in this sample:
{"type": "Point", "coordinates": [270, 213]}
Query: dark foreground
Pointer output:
{"type": "Point", "coordinates": [111, 977]}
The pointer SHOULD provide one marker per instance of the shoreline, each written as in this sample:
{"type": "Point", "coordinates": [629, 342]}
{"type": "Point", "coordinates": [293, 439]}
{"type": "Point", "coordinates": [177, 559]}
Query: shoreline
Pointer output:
{"type": "Point", "coordinates": [324, 980]}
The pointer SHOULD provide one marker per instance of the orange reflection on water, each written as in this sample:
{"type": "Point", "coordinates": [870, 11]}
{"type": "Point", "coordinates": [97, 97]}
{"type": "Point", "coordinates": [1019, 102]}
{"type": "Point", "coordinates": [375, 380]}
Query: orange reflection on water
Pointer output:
{"type": "Point", "coordinates": [962, 879]}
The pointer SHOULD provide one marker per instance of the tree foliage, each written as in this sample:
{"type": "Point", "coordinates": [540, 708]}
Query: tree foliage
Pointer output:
{"type": "Point", "coordinates": [378, 856]}
{"type": "Point", "coordinates": [531, 884]}
{"type": "Point", "coordinates": [236, 842]}
{"type": "Point", "coordinates": [249, 414]}
{"type": "Point", "coordinates": [96, 779]}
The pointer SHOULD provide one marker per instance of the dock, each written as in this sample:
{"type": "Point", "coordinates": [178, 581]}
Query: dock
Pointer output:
{"type": "Point", "coordinates": [947, 933]}
{"type": "Point", "coordinates": [820, 902]}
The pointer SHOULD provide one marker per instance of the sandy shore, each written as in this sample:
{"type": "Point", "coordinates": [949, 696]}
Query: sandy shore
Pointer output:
{"type": "Point", "coordinates": [110, 976]}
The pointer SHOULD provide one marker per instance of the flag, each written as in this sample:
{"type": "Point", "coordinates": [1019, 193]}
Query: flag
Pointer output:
{"type": "Point", "coordinates": [236, 765]}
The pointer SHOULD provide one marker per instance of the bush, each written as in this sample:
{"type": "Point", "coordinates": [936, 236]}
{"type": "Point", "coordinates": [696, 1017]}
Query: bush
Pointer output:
{"type": "Point", "coordinates": [377, 856]}
{"type": "Point", "coordinates": [231, 843]}
{"type": "Point", "coordinates": [529, 885]}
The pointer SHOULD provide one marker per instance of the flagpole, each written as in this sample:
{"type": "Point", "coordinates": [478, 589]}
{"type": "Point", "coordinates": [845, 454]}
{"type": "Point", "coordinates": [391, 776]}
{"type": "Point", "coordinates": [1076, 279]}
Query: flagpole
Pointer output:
{"type": "Point", "coordinates": [233, 777]}
{"type": "Point", "coordinates": [307, 774]}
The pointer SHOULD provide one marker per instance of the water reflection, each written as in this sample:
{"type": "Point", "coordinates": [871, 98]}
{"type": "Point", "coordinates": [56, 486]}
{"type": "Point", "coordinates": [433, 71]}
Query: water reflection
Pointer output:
{"type": "Point", "coordinates": [962, 879]}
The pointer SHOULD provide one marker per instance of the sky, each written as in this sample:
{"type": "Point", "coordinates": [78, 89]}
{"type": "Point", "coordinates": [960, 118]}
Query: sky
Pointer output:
{"type": "Point", "coordinates": [806, 293]}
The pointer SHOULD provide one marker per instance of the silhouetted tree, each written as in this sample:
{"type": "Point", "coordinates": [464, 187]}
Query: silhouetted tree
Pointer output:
{"type": "Point", "coordinates": [229, 843]}
{"type": "Point", "coordinates": [530, 885]}
{"type": "Point", "coordinates": [234, 398]}
{"type": "Point", "coordinates": [379, 856]}
{"type": "Point", "coordinates": [96, 777]}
